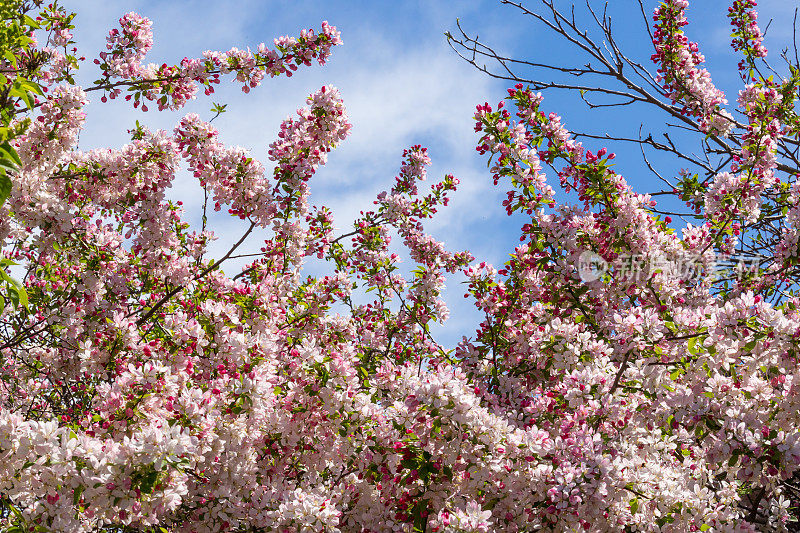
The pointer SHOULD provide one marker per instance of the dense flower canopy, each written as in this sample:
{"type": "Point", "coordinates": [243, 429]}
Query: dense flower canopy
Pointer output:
{"type": "Point", "coordinates": [145, 389]}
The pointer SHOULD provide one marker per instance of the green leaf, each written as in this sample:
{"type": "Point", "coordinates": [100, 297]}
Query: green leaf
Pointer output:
{"type": "Point", "coordinates": [22, 94]}
{"type": "Point", "coordinates": [76, 494]}
{"type": "Point", "coordinates": [5, 186]}
{"type": "Point", "coordinates": [8, 152]}
{"type": "Point", "coordinates": [692, 346]}
{"type": "Point", "coordinates": [7, 165]}
{"type": "Point", "coordinates": [734, 457]}
{"type": "Point", "coordinates": [11, 58]}
{"type": "Point", "coordinates": [29, 86]}
{"type": "Point", "coordinates": [30, 22]}
{"type": "Point", "coordinates": [22, 294]}
{"type": "Point", "coordinates": [149, 481]}
{"type": "Point", "coordinates": [14, 297]}
{"type": "Point", "coordinates": [634, 505]}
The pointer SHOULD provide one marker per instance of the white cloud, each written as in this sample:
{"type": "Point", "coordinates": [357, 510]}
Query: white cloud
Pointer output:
{"type": "Point", "coordinates": [398, 91]}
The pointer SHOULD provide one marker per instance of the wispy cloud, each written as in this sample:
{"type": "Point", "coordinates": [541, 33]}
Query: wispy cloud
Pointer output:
{"type": "Point", "coordinates": [399, 89]}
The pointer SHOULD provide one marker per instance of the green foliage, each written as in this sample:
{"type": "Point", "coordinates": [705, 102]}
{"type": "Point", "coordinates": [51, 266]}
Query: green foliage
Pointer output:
{"type": "Point", "coordinates": [12, 290]}
{"type": "Point", "coordinates": [15, 84]}
{"type": "Point", "coordinates": [18, 95]}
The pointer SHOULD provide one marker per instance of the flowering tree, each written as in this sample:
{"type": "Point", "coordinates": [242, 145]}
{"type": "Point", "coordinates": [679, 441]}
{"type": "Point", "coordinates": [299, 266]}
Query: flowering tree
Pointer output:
{"type": "Point", "coordinates": [687, 341]}
{"type": "Point", "coordinates": [144, 389]}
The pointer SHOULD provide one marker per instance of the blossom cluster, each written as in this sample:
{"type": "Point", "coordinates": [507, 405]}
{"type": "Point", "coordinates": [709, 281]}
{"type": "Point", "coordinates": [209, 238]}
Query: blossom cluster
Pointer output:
{"type": "Point", "coordinates": [748, 38]}
{"type": "Point", "coordinates": [630, 345]}
{"type": "Point", "coordinates": [680, 70]}
{"type": "Point", "coordinates": [171, 86]}
{"type": "Point", "coordinates": [144, 388]}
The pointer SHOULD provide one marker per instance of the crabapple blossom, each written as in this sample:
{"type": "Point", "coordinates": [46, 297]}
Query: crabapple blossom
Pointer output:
{"type": "Point", "coordinates": [681, 74]}
{"type": "Point", "coordinates": [144, 388]}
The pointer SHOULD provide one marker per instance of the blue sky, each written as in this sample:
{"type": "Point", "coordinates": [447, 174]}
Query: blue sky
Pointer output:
{"type": "Point", "coordinates": [402, 85]}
